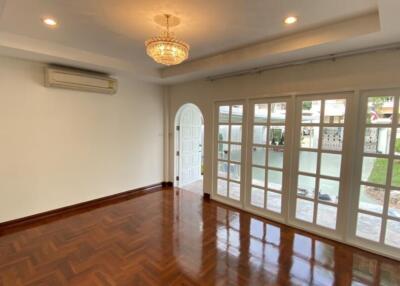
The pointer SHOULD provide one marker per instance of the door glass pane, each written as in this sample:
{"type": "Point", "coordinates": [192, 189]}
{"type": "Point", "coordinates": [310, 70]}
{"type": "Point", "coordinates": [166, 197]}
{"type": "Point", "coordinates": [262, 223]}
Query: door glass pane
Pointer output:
{"type": "Point", "coordinates": [223, 133]}
{"type": "Point", "coordinates": [397, 143]}
{"type": "Point", "coordinates": [258, 155]}
{"type": "Point", "coordinates": [320, 165]}
{"type": "Point", "coordinates": [223, 114]}
{"type": "Point", "coordinates": [235, 152]}
{"type": "Point", "coordinates": [311, 111]}
{"type": "Point", "coordinates": [223, 151]}
{"type": "Point", "coordinates": [234, 191]}
{"type": "Point", "coordinates": [392, 236]}
{"type": "Point", "coordinates": [396, 173]}
{"type": "Point", "coordinates": [332, 138]}
{"type": "Point", "coordinates": [260, 134]}
{"type": "Point", "coordinates": [222, 169]}
{"type": "Point", "coordinates": [328, 190]}
{"type": "Point", "coordinates": [368, 226]}
{"type": "Point", "coordinates": [274, 201]}
{"type": "Point", "coordinates": [380, 109]}
{"type": "Point", "coordinates": [374, 170]}
{"type": "Point", "coordinates": [371, 198]}
{"type": "Point", "coordinates": [276, 136]}
{"type": "Point", "coordinates": [257, 197]}
{"type": "Point", "coordinates": [222, 187]}
{"type": "Point", "coordinates": [308, 162]}
{"type": "Point", "coordinates": [306, 186]}
{"type": "Point", "coordinates": [271, 136]}
{"type": "Point", "coordinates": [234, 172]}
{"type": "Point", "coordinates": [237, 114]}
{"type": "Point", "coordinates": [304, 210]}
{"type": "Point", "coordinates": [236, 133]}
{"type": "Point", "coordinates": [258, 176]}
{"type": "Point", "coordinates": [260, 113]}
{"type": "Point", "coordinates": [309, 137]}
{"type": "Point", "coordinates": [335, 110]}
{"type": "Point", "coordinates": [377, 140]}
{"type": "Point", "coordinates": [394, 204]}
{"type": "Point", "coordinates": [278, 112]}
{"type": "Point", "coordinates": [274, 180]}
{"type": "Point", "coordinates": [275, 157]}
{"type": "Point", "coordinates": [330, 164]}
{"type": "Point", "coordinates": [326, 216]}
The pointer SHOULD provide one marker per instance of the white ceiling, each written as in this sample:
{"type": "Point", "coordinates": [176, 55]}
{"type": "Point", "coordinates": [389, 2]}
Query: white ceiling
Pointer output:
{"type": "Point", "coordinates": [108, 35]}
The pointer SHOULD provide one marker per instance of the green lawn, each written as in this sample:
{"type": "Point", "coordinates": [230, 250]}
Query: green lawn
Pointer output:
{"type": "Point", "coordinates": [397, 146]}
{"type": "Point", "coordinates": [378, 173]}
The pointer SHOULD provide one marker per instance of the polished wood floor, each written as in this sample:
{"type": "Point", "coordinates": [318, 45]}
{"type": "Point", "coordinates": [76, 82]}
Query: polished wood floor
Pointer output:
{"type": "Point", "coordinates": [173, 237]}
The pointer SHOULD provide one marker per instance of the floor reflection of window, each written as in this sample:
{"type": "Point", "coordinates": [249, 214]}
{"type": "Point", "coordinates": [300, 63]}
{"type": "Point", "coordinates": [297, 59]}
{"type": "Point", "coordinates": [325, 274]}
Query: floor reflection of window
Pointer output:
{"type": "Point", "coordinates": [313, 262]}
{"type": "Point", "coordinates": [228, 243]}
{"type": "Point", "coordinates": [264, 247]}
{"type": "Point", "coordinates": [367, 271]}
{"type": "Point", "coordinates": [228, 231]}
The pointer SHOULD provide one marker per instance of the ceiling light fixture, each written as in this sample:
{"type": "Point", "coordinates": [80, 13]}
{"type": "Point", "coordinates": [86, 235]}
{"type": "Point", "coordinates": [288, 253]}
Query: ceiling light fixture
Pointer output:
{"type": "Point", "coordinates": [50, 22]}
{"type": "Point", "coordinates": [166, 49]}
{"type": "Point", "coordinates": [290, 20]}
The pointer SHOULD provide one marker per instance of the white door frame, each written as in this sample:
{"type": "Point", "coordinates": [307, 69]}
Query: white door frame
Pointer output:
{"type": "Point", "coordinates": [345, 170]}
{"type": "Point", "coordinates": [282, 216]}
{"type": "Point", "coordinates": [214, 194]}
{"type": "Point", "coordinates": [350, 167]}
{"type": "Point", "coordinates": [373, 246]}
{"type": "Point", "coordinates": [177, 137]}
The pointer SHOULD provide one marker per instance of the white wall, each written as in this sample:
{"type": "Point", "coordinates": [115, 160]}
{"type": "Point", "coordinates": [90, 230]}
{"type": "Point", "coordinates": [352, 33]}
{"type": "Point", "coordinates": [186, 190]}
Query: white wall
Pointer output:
{"type": "Point", "coordinates": [381, 69]}
{"type": "Point", "coordinates": [60, 147]}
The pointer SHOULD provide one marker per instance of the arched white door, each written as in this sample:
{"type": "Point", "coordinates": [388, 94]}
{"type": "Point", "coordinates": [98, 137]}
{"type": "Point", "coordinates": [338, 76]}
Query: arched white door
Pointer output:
{"type": "Point", "coordinates": [190, 144]}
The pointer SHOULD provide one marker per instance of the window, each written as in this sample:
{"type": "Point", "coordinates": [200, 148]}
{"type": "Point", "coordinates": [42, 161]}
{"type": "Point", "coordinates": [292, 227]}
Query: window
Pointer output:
{"type": "Point", "coordinates": [268, 148]}
{"type": "Point", "coordinates": [229, 151]}
{"type": "Point", "coordinates": [302, 167]}
{"type": "Point", "coordinates": [320, 137]}
{"type": "Point", "coordinates": [378, 201]}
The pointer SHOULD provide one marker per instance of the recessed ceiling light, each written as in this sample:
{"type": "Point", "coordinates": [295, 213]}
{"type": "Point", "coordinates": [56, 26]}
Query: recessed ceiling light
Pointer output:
{"type": "Point", "coordinates": [290, 20]}
{"type": "Point", "coordinates": [50, 22]}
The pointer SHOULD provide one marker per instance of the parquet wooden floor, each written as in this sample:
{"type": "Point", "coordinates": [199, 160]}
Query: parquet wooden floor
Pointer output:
{"type": "Point", "coordinates": [173, 237]}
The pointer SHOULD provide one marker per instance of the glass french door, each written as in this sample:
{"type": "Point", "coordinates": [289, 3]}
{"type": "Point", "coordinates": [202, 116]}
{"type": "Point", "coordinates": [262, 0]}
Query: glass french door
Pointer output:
{"type": "Point", "coordinates": [229, 150]}
{"type": "Point", "coordinates": [377, 204]}
{"type": "Point", "coordinates": [267, 154]}
{"type": "Point", "coordinates": [318, 176]}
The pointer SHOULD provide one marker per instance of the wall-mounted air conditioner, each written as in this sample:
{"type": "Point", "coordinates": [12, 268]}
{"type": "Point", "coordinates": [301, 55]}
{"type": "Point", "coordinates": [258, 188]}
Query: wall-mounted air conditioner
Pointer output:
{"type": "Point", "coordinates": [79, 80]}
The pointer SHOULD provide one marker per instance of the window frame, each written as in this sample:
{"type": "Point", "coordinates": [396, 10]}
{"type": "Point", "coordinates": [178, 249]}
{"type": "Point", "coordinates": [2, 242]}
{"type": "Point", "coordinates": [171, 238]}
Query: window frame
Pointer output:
{"type": "Point", "coordinates": [338, 232]}
{"type": "Point", "coordinates": [352, 238]}
{"type": "Point", "coordinates": [280, 217]}
{"type": "Point", "coordinates": [350, 171]}
{"type": "Point", "coordinates": [214, 194]}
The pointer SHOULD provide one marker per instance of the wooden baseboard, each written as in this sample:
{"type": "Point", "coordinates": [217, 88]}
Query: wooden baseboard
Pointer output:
{"type": "Point", "coordinates": [36, 219]}
{"type": "Point", "coordinates": [167, 184]}
{"type": "Point", "coordinates": [206, 196]}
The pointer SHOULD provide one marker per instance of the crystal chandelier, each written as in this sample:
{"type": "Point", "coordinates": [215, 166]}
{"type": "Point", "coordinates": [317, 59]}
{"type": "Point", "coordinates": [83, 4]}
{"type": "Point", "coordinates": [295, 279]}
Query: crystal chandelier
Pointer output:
{"type": "Point", "coordinates": [166, 49]}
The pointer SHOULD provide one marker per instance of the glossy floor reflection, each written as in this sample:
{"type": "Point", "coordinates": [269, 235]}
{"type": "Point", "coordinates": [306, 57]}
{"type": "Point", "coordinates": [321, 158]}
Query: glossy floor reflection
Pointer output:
{"type": "Point", "coordinates": [173, 237]}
